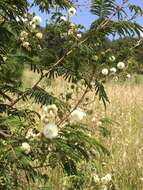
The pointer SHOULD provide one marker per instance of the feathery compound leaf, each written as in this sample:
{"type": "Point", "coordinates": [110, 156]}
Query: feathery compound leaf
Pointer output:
{"type": "Point", "coordinates": [25, 113]}
{"type": "Point", "coordinates": [103, 8]}
{"type": "Point", "coordinates": [42, 97]}
{"type": "Point", "coordinates": [137, 10]}
{"type": "Point", "coordinates": [124, 28]}
{"type": "Point", "coordinates": [100, 91]}
{"type": "Point", "coordinates": [46, 5]}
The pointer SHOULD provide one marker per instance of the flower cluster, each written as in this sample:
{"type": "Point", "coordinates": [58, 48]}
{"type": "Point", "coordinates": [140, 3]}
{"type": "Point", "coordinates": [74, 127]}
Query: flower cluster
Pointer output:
{"type": "Point", "coordinates": [73, 28]}
{"type": "Point", "coordinates": [25, 37]}
{"type": "Point", "coordinates": [103, 182]}
{"type": "Point", "coordinates": [37, 20]}
{"type": "Point", "coordinates": [25, 147]}
{"type": "Point", "coordinates": [77, 115]}
{"type": "Point", "coordinates": [39, 35]}
{"type": "Point", "coordinates": [71, 11]}
{"type": "Point", "coordinates": [113, 70]}
{"type": "Point", "coordinates": [50, 129]}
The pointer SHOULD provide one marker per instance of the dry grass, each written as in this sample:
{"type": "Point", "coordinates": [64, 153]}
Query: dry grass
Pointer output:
{"type": "Point", "coordinates": [126, 140]}
{"type": "Point", "coordinates": [125, 144]}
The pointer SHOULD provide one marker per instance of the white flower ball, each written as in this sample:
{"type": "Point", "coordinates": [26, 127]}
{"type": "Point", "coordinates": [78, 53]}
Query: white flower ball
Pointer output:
{"type": "Point", "coordinates": [22, 39]}
{"type": "Point", "coordinates": [33, 25]}
{"type": "Point", "coordinates": [95, 58]}
{"type": "Point", "coordinates": [39, 35]}
{"type": "Point", "coordinates": [105, 71]}
{"type": "Point", "coordinates": [79, 35]}
{"type": "Point", "coordinates": [141, 178]}
{"type": "Point", "coordinates": [77, 115]}
{"type": "Point", "coordinates": [51, 109]}
{"type": "Point", "coordinates": [37, 20]}
{"type": "Point", "coordinates": [128, 76]}
{"type": "Point", "coordinates": [106, 179]}
{"type": "Point", "coordinates": [45, 119]}
{"type": "Point", "coordinates": [96, 178]}
{"type": "Point", "coordinates": [121, 65]}
{"type": "Point", "coordinates": [62, 18]}
{"type": "Point", "coordinates": [116, 78]}
{"type": "Point", "coordinates": [113, 70]}
{"type": "Point", "coordinates": [23, 34]}
{"type": "Point", "coordinates": [50, 131]}
{"type": "Point", "coordinates": [26, 44]}
{"type": "Point", "coordinates": [71, 11]}
{"type": "Point", "coordinates": [99, 124]}
{"type": "Point", "coordinates": [112, 58]}
{"type": "Point", "coordinates": [93, 119]}
{"type": "Point", "coordinates": [26, 147]}
{"type": "Point", "coordinates": [104, 187]}
{"type": "Point", "coordinates": [70, 32]}
{"type": "Point", "coordinates": [4, 59]}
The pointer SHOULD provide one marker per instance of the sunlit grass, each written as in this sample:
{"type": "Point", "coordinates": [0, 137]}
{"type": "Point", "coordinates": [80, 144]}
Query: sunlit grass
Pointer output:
{"type": "Point", "coordinates": [125, 141]}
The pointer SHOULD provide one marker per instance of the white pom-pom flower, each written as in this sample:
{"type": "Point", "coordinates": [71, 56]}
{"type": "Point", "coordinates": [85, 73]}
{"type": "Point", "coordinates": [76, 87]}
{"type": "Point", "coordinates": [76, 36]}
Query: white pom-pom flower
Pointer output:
{"type": "Point", "coordinates": [62, 18]}
{"type": "Point", "coordinates": [112, 58]}
{"type": "Point", "coordinates": [33, 25]}
{"type": "Point", "coordinates": [141, 179]}
{"type": "Point", "coordinates": [50, 131]}
{"type": "Point", "coordinates": [25, 147]}
{"type": "Point", "coordinates": [70, 32]}
{"type": "Point", "coordinates": [116, 79]}
{"type": "Point", "coordinates": [37, 20]}
{"type": "Point", "coordinates": [26, 44]}
{"type": "Point", "coordinates": [99, 124]}
{"type": "Point", "coordinates": [128, 76]}
{"type": "Point", "coordinates": [45, 119]}
{"type": "Point", "coordinates": [105, 72]}
{"type": "Point", "coordinates": [23, 34]}
{"type": "Point", "coordinates": [71, 11]}
{"type": "Point", "coordinates": [96, 178]}
{"type": "Point", "coordinates": [77, 115]}
{"type": "Point", "coordinates": [113, 70]}
{"type": "Point", "coordinates": [106, 179]}
{"type": "Point", "coordinates": [51, 109]}
{"type": "Point", "coordinates": [121, 65]}
{"type": "Point", "coordinates": [79, 35]}
{"type": "Point", "coordinates": [4, 58]}
{"type": "Point", "coordinates": [93, 119]}
{"type": "Point", "coordinates": [39, 35]}
{"type": "Point", "coordinates": [104, 187]}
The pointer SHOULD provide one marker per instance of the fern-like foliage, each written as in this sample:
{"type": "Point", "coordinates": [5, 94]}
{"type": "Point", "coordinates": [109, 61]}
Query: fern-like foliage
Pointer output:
{"type": "Point", "coordinates": [44, 98]}
{"type": "Point", "coordinates": [103, 8]}
{"type": "Point", "coordinates": [47, 4]}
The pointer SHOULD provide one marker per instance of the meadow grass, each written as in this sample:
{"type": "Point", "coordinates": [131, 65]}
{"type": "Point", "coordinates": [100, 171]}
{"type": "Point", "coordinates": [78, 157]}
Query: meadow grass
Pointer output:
{"type": "Point", "coordinates": [125, 142]}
